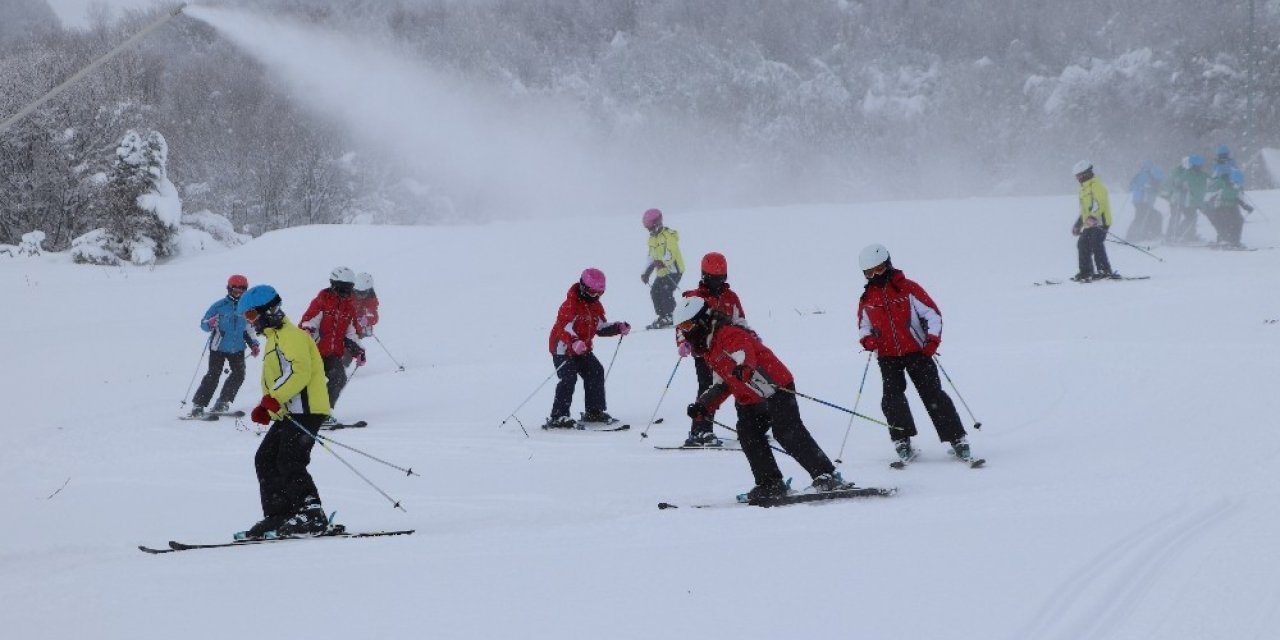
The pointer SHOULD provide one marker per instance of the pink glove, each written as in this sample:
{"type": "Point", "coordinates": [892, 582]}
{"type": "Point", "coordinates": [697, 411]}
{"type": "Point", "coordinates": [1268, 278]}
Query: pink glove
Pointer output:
{"type": "Point", "coordinates": [253, 349]}
{"type": "Point", "coordinates": [578, 347]}
{"type": "Point", "coordinates": [211, 322]}
{"type": "Point", "coordinates": [624, 328]}
{"type": "Point", "coordinates": [684, 348]}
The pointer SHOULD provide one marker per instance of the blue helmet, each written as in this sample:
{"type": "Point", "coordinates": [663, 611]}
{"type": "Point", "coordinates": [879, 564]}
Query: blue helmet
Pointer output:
{"type": "Point", "coordinates": [1224, 151]}
{"type": "Point", "coordinates": [262, 295]}
{"type": "Point", "coordinates": [1195, 160]}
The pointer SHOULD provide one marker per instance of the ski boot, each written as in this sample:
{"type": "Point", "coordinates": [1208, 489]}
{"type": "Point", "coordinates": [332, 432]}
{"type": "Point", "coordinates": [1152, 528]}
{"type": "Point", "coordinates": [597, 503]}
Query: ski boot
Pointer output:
{"type": "Point", "coordinates": [768, 490]}
{"type": "Point", "coordinates": [197, 412]}
{"type": "Point", "coordinates": [662, 322]}
{"type": "Point", "coordinates": [329, 422]}
{"type": "Point", "coordinates": [308, 521]}
{"type": "Point", "coordinates": [220, 407]}
{"type": "Point", "coordinates": [903, 447]}
{"type": "Point", "coordinates": [265, 529]}
{"type": "Point", "coordinates": [702, 439]}
{"type": "Point", "coordinates": [830, 482]}
{"type": "Point", "coordinates": [960, 447]}
{"type": "Point", "coordinates": [600, 417]}
{"type": "Point", "coordinates": [560, 422]}
{"type": "Point", "coordinates": [1083, 277]}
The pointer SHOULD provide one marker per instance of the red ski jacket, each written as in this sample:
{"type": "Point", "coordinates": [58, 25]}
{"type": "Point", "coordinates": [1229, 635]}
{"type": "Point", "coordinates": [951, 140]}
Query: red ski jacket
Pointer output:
{"type": "Point", "coordinates": [732, 347]}
{"type": "Point", "coordinates": [726, 303]}
{"type": "Point", "coordinates": [900, 315]}
{"type": "Point", "coordinates": [578, 319]}
{"type": "Point", "coordinates": [366, 313]}
{"type": "Point", "coordinates": [332, 320]}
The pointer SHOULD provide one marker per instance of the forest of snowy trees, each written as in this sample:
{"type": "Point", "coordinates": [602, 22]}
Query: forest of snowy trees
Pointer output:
{"type": "Point", "coordinates": [802, 100]}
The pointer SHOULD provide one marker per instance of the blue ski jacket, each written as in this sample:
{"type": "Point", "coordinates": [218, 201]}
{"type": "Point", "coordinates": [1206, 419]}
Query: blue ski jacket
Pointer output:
{"type": "Point", "coordinates": [231, 335]}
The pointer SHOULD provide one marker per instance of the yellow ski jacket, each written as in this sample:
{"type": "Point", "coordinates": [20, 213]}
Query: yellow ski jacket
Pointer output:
{"type": "Point", "coordinates": [1094, 202]}
{"type": "Point", "coordinates": [664, 247]}
{"type": "Point", "coordinates": [293, 373]}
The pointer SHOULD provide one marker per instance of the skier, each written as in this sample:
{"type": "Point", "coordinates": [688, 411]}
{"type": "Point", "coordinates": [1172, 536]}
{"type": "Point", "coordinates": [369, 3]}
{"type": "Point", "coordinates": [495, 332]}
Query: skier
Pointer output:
{"type": "Point", "coordinates": [1176, 192]}
{"type": "Point", "coordinates": [295, 397]}
{"type": "Point", "coordinates": [366, 302]}
{"type": "Point", "coordinates": [900, 323]}
{"type": "Point", "coordinates": [1092, 225]}
{"type": "Point", "coordinates": [1225, 198]}
{"type": "Point", "coordinates": [1224, 162]}
{"type": "Point", "coordinates": [1191, 197]}
{"type": "Point", "coordinates": [763, 390]}
{"type": "Point", "coordinates": [666, 265]}
{"type": "Point", "coordinates": [227, 341]}
{"type": "Point", "coordinates": [330, 319]}
{"type": "Point", "coordinates": [580, 319]}
{"type": "Point", "coordinates": [714, 290]}
{"type": "Point", "coordinates": [1144, 187]}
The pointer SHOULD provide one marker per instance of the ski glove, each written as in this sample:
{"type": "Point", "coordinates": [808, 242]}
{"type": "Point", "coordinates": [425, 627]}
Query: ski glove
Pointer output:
{"type": "Point", "coordinates": [684, 348]}
{"type": "Point", "coordinates": [870, 343]}
{"type": "Point", "coordinates": [266, 406]}
{"type": "Point", "coordinates": [359, 356]}
{"type": "Point", "coordinates": [211, 322]}
{"type": "Point", "coordinates": [742, 372]}
{"type": "Point", "coordinates": [698, 411]}
{"type": "Point", "coordinates": [931, 346]}
{"type": "Point", "coordinates": [623, 328]}
{"type": "Point", "coordinates": [578, 347]}
{"type": "Point", "coordinates": [254, 349]}
{"type": "Point", "coordinates": [644, 277]}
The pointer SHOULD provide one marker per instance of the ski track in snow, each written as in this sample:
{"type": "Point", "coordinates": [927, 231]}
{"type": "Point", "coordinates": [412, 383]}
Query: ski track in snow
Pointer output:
{"type": "Point", "coordinates": [1101, 595]}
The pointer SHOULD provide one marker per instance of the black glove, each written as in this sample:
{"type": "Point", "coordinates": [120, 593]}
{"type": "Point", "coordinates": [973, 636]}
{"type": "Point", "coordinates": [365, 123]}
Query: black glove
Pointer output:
{"type": "Point", "coordinates": [697, 411]}
{"type": "Point", "coordinates": [741, 372]}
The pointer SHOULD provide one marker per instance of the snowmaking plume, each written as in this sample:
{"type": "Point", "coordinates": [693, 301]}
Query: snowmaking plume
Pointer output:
{"type": "Point", "coordinates": [506, 154]}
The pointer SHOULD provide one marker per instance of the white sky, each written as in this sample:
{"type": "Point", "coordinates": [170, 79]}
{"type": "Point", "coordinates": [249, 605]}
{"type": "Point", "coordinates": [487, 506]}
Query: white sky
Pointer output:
{"type": "Point", "coordinates": [75, 13]}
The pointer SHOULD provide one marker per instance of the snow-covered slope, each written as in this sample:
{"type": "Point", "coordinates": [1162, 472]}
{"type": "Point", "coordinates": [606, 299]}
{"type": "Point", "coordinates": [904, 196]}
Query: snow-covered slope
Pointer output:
{"type": "Point", "coordinates": [1129, 429]}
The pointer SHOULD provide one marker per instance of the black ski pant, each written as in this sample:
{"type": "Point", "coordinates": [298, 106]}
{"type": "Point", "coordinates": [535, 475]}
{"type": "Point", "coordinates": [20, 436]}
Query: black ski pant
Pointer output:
{"type": "Point", "coordinates": [924, 375]}
{"type": "Point", "coordinates": [780, 413]}
{"type": "Point", "coordinates": [281, 462]}
{"type": "Point", "coordinates": [570, 368]}
{"type": "Point", "coordinates": [1229, 223]}
{"type": "Point", "coordinates": [663, 293]}
{"type": "Point", "coordinates": [1146, 224]}
{"type": "Point", "coordinates": [1092, 247]}
{"type": "Point", "coordinates": [703, 371]}
{"type": "Point", "coordinates": [204, 392]}
{"type": "Point", "coordinates": [337, 377]}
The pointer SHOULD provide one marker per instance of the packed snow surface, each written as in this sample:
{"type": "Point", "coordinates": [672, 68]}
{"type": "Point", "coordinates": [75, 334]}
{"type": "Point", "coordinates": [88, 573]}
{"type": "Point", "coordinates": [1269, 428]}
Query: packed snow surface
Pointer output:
{"type": "Point", "coordinates": [1129, 427]}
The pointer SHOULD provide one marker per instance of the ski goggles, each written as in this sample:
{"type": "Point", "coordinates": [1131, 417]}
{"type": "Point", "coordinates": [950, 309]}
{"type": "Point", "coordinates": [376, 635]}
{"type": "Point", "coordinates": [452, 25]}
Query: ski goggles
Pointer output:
{"type": "Point", "coordinates": [251, 315]}
{"type": "Point", "coordinates": [876, 270]}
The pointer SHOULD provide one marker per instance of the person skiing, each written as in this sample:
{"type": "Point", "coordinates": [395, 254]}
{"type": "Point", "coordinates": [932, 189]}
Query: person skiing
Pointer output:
{"type": "Point", "coordinates": [1092, 226]}
{"type": "Point", "coordinates": [1188, 193]}
{"type": "Point", "coordinates": [763, 390]}
{"type": "Point", "coordinates": [1224, 162]}
{"type": "Point", "coordinates": [1144, 188]}
{"type": "Point", "coordinates": [366, 301]}
{"type": "Point", "coordinates": [330, 319]}
{"type": "Point", "coordinates": [228, 338]}
{"type": "Point", "coordinates": [579, 320]}
{"type": "Point", "coordinates": [1225, 197]}
{"type": "Point", "coordinates": [665, 267]}
{"type": "Point", "coordinates": [714, 290]}
{"type": "Point", "coordinates": [295, 402]}
{"type": "Point", "coordinates": [901, 324]}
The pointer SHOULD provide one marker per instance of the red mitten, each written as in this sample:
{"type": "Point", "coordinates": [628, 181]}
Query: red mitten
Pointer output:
{"type": "Point", "coordinates": [870, 343]}
{"type": "Point", "coordinates": [262, 413]}
{"type": "Point", "coordinates": [931, 346]}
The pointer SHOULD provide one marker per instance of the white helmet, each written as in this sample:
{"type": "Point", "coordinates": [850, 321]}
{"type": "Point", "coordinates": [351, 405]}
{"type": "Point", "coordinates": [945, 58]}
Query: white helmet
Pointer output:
{"type": "Point", "coordinates": [688, 309]}
{"type": "Point", "coordinates": [1081, 167]}
{"type": "Point", "coordinates": [364, 281]}
{"type": "Point", "coordinates": [872, 255]}
{"type": "Point", "coordinates": [342, 274]}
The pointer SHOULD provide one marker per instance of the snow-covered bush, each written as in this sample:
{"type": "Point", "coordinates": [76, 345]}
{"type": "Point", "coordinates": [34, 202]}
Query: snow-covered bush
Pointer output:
{"type": "Point", "coordinates": [143, 210]}
{"type": "Point", "coordinates": [97, 247]}
{"type": "Point", "coordinates": [31, 244]}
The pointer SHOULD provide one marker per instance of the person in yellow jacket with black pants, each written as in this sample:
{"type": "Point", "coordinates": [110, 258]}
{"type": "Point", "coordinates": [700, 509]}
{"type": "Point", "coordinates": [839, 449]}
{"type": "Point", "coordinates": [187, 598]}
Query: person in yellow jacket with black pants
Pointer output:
{"type": "Point", "coordinates": [295, 401]}
{"type": "Point", "coordinates": [665, 267]}
{"type": "Point", "coordinates": [1092, 225]}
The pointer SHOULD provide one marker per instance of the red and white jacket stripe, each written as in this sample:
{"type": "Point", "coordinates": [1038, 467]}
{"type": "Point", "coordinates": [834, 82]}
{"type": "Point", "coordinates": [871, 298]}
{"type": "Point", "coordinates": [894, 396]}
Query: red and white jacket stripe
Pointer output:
{"type": "Point", "coordinates": [900, 314]}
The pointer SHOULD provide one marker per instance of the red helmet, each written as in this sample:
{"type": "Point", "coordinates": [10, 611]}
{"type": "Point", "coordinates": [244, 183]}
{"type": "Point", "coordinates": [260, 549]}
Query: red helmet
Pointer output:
{"type": "Point", "coordinates": [714, 264]}
{"type": "Point", "coordinates": [238, 280]}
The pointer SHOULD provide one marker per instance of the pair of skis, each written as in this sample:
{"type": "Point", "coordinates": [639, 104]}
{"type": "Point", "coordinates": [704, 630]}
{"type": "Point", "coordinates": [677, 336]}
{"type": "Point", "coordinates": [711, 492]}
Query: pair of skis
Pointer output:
{"type": "Point", "coordinates": [795, 498]}
{"type": "Point", "coordinates": [1053, 281]}
{"type": "Point", "coordinates": [210, 416]}
{"type": "Point", "coordinates": [974, 463]}
{"type": "Point", "coordinates": [175, 546]}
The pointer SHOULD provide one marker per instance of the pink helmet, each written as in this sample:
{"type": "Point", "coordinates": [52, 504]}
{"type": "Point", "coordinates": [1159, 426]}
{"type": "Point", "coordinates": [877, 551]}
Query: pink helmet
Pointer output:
{"type": "Point", "coordinates": [652, 217]}
{"type": "Point", "coordinates": [593, 279]}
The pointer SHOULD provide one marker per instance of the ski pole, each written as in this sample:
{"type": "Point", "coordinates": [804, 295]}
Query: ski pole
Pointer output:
{"type": "Point", "coordinates": [526, 400]}
{"type": "Point", "coordinates": [207, 344]}
{"type": "Point", "coordinates": [1122, 241]}
{"type": "Point", "coordinates": [735, 431]}
{"type": "Point", "coordinates": [407, 472]}
{"type": "Point", "coordinates": [615, 357]}
{"type": "Point", "coordinates": [388, 352]}
{"type": "Point", "coordinates": [856, 400]}
{"type": "Point", "coordinates": [976, 424]}
{"type": "Point", "coordinates": [645, 433]}
{"type": "Point", "coordinates": [394, 503]}
{"type": "Point", "coordinates": [836, 406]}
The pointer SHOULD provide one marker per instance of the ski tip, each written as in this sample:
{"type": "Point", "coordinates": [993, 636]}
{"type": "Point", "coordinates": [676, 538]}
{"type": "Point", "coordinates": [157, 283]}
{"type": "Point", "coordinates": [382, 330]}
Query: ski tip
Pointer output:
{"type": "Point", "coordinates": [980, 462]}
{"type": "Point", "coordinates": [898, 464]}
{"type": "Point", "coordinates": [658, 421]}
{"type": "Point", "coordinates": [667, 505]}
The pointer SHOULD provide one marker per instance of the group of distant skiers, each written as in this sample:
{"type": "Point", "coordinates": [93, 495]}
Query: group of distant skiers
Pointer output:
{"type": "Point", "coordinates": [303, 372]}
{"type": "Point", "coordinates": [1217, 192]}
{"type": "Point", "coordinates": [897, 320]}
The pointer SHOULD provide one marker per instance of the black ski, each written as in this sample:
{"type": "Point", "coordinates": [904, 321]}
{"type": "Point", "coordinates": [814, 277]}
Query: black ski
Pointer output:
{"type": "Point", "coordinates": [228, 414]}
{"type": "Point", "coordinates": [208, 417]}
{"type": "Point", "coordinates": [796, 498]}
{"type": "Point", "coordinates": [723, 447]}
{"type": "Point", "coordinates": [352, 425]}
{"type": "Point", "coordinates": [180, 546]}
